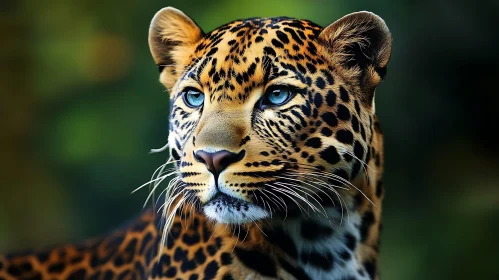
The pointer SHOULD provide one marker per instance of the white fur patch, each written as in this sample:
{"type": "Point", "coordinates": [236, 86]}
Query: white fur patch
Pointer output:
{"type": "Point", "coordinates": [238, 212]}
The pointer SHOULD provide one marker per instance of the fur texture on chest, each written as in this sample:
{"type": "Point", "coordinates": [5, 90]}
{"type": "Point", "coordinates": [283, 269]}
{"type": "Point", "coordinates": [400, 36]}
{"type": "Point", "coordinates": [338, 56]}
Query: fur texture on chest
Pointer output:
{"type": "Point", "coordinates": [324, 248]}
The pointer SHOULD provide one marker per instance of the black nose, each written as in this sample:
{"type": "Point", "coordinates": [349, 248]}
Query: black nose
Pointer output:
{"type": "Point", "coordinates": [218, 161]}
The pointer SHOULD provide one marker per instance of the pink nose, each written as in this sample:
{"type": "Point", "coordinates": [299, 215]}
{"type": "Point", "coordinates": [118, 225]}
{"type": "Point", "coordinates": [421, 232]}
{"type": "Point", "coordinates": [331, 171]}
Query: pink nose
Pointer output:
{"type": "Point", "coordinates": [218, 161]}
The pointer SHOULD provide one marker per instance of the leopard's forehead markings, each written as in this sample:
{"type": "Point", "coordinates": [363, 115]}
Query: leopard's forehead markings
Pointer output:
{"type": "Point", "coordinates": [235, 58]}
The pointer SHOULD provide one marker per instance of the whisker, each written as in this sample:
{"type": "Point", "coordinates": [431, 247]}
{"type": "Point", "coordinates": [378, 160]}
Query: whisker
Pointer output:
{"type": "Point", "coordinates": [286, 194]}
{"type": "Point", "coordinates": [327, 186]}
{"type": "Point", "coordinates": [259, 228]}
{"type": "Point", "coordinates": [273, 200]}
{"type": "Point", "coordinates": [159, 150]}
{"type": "Point", "coordinates": [342, 201]}
{"type": "Point", "coordinates": [247, 233]}
{"type": "Point", "coordinates": [170, 218]}
{"type": "Point", "coordinates": [161, 168]}
{"type": "Point", "coordinates": [364, 164]}
{"type": "Point", "coordinates": [158, 182]}
{"type": "Point", "coordinates": [336, 178]}
{"type": "Point", "coordinates": [297, 187]}
{"type": "Point", "coordinates": [166, 190]}
{"type": "Point", "coordinates": [355, 157]}
{"type": "Point", "coordinates": [306, 183]}
{"type": "Point", "coordinates": [238, 234]}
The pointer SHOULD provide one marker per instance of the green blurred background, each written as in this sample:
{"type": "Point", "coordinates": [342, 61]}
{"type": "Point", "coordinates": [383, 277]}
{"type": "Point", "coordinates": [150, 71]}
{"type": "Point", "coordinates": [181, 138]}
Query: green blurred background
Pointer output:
{"type": "Point", "coordinates": [81, 106]}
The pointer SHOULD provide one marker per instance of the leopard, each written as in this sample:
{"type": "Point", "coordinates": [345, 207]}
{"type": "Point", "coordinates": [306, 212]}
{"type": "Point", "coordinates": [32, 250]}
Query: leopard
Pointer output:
{"type": "Point", "coordinates": [275, 158]}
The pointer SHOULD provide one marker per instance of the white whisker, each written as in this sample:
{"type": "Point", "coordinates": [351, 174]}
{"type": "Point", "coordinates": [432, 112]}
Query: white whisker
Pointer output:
{"type": "Point", "coordinates": [159, 150]}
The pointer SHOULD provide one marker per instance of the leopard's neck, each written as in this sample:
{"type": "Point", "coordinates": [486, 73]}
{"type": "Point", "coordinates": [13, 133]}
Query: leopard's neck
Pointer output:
{"type": "Point", "coordinates": [316, 247]}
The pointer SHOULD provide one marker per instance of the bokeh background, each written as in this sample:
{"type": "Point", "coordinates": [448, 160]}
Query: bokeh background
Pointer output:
{"type": "Point", "coordinates": [80, 107]}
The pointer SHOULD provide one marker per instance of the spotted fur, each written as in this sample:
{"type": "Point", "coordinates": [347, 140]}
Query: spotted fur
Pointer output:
{"type": "Point", "coordinates": [263, 191]}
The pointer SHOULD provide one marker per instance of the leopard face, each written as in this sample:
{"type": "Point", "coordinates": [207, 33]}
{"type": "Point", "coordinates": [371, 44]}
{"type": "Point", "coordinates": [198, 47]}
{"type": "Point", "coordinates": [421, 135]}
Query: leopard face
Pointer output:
{"type": "Point", "coordinates": [268, 114]}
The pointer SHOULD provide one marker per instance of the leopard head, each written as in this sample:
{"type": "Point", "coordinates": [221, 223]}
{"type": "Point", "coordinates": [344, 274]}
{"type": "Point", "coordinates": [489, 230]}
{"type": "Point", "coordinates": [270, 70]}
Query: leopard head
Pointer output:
{"type": "Point", "coordinates": [268, 113]}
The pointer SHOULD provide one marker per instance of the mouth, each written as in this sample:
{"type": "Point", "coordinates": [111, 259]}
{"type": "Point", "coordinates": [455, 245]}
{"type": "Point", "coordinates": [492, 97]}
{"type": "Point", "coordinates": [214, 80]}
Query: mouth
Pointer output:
{"type": "Point", "coordinates": [225, 199]}
{"type": "Point", "coordinates": [227, 209]}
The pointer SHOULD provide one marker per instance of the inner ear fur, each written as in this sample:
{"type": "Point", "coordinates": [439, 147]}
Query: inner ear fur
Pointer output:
{"type": "Point", "coordinates": [360, 44]}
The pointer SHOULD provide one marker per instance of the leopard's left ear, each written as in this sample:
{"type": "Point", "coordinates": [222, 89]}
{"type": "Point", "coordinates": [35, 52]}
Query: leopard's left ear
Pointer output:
{"type": "Point", "coordinates": [360, 43]}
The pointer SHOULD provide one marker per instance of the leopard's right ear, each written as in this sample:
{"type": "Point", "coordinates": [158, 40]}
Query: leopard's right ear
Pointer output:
{"type": "Point", "coordinates": [171, 35]}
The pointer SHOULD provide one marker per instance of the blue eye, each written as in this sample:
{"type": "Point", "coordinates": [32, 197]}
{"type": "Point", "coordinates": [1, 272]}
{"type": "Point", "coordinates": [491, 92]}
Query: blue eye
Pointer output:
{"type": "Point", "coordinates": [193, 98]}
{"type": "Point", "coordinates": [276, 96]}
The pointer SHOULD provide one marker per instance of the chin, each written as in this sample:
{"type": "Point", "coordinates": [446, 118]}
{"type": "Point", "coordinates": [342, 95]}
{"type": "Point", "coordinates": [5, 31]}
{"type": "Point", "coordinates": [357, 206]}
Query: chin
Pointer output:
{"type": "Point", "coordinates": [226, 209]}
